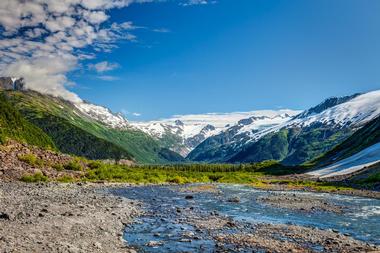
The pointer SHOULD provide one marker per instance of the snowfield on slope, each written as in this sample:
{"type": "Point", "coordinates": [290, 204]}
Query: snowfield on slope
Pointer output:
{"type": "Point", "coordinates": [103, 115]}
{"type": "Point", "coordinates": [355, 113]}
{"type": "Point", "coordinates": [194, 128]}
{"type": "Point", "coordinates": [194, 123]}
{"type": "Point", "coordinates": [364, 158]}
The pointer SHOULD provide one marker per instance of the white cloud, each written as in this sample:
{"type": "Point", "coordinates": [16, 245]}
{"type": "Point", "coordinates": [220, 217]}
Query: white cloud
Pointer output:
{"type": "Point", "coordinates": [43, 40]}
{"type": "Point", "coordinates": [41, 73]}
{"type": "Point", "coordinates": [95, 17]}
{"type": "Point", "coordinates": [108, 78]}
{"type": "Point", "coordinates": [161, 30]}
{"type": "Point", "coordinates": [126, 113]}
{"type": "Point", "coordinates": [197, 2]}
{"type": "Point", "coordinates": [103, 66]}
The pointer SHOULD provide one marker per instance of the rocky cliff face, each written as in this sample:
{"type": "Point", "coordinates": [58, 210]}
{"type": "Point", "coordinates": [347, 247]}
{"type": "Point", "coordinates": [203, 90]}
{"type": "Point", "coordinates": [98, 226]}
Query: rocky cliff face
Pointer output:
{"type": "Point", "coordinates": [12, 83]}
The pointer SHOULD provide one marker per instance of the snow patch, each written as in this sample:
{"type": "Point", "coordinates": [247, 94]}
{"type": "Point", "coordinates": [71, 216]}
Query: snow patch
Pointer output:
{"type": "Point", "coordinates": [103, 115]}
{"type": "Point", "coordinates": [364, 158]}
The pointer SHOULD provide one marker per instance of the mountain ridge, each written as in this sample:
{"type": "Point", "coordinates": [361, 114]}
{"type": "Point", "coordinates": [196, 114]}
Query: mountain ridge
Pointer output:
{"type": "Point", "coordinates": [295, 141]}
{"type": "Point", "coordinates": [182, 133]}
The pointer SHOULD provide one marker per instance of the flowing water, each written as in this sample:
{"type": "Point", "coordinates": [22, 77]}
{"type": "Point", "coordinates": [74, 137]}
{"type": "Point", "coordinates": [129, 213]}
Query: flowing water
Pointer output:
{"type": "Point", "coordinates": [164, 222]}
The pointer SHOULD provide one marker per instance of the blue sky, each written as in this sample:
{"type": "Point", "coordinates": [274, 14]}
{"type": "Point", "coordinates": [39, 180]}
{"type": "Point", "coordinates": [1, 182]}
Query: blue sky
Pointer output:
{"type": "Point", "coordinates": [236, 55]}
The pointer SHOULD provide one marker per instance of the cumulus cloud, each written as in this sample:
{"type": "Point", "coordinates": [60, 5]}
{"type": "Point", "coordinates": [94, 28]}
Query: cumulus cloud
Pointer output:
{"type": "Point", "coordinates": [43, 40]}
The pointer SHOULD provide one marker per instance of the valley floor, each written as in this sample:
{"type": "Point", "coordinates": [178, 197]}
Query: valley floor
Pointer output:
{"type": "Point", "coordinates": [86, 217]}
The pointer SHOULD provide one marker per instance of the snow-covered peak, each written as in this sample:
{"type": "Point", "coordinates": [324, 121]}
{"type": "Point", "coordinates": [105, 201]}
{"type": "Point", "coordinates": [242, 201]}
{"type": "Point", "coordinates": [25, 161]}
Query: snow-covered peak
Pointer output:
{"type": "Point", "coordinates": [193, 124]}
{"type": "Point", "coordinates": [328, 103]}
{"type": "Point", "coordinates": [356, 111]}
{"type": "Point", "coordinates": [103, 115]}
{"type": "Point", "coordinates": [353, 113]}
{"type": "Point", "coordinates": [193, 129]}
{"type": "Point", "coordinates": [254, 124]}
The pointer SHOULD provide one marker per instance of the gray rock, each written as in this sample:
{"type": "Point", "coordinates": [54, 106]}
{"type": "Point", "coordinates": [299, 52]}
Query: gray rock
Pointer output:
{"type": "Point", "coordinates": [4, 216]}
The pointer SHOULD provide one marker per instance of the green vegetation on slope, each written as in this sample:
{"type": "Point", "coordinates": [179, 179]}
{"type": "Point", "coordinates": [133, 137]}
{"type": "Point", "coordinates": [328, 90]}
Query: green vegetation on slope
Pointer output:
{"type": "Point", "coordinates": [14, 126]}
{"type": "Point", "coordinates": [73, 140]}
{"type": "Point", "coordinates": [77, 134]}
{"type": "Point", "coordinates": [292, 146]}
{"type": "Point", "coordinates": [366, 136]}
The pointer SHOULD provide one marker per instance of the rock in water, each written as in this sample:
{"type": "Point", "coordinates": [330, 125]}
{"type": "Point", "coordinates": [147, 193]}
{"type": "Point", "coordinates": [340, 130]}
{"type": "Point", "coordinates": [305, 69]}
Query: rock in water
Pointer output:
{"type": "Point", "coordinates": [234, 199]}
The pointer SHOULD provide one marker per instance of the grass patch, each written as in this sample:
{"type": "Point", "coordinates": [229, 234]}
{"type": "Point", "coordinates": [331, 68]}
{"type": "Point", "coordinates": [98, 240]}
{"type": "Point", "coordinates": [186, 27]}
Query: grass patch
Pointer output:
{"type": "Point", "coordinates": [34, 178]}
{"type": "Point", "coordinates": [249, 174]}
{"type": "Point", "coordinates": [58, 167]}
{"type": "Point", "coordinates": [73, 165]}
{"type": "Point", "coordinates": [169, 174]}
{"type": "Point", "coordinates": [31, 159]}
{"type": "Point", "coordinates": [66, 179]}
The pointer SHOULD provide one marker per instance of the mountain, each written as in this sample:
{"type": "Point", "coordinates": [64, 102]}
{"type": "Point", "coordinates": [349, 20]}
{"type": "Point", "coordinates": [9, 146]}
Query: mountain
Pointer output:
{"type": "Point", "coordinates": [300, 139]}
{"type": "Point", "coordinates": [87, 130]}
{"type": "Point", "coordinates": [14, 126]}
{"type": "Point", "coordinates": [220, 147]}
{"type": "Point", "coordinates": [103, 115]}
{"type": "Point", "coordinates": [185, 132]}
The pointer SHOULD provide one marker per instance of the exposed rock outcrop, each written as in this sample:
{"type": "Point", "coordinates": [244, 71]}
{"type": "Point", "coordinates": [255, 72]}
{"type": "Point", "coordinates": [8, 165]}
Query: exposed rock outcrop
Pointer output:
{"type": "Point", "coordinates": [12, 83]}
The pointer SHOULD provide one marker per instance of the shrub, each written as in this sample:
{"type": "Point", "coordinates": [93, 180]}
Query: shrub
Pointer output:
{"type": "Point", "coordinates": [94, 165]}
{"type": "Point", "coordinates": [58, 167]}
{"type": "Point", "coordinates": [66, 179]}
{"type": "Point", "coordinates": [34, 178]}
{"type": "Point", "coordinates": [73, 165]}
{"type": "Point", "coordinates": [31, 159]}
{"type": "Point", "coordinates": [215, 178]}
{"type": "Point", "coordinates": [177, 180]}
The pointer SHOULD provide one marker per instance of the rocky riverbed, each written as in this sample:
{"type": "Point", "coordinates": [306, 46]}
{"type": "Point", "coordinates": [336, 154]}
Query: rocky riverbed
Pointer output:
{"type": "Point", "coordinates": [300, 202]}
{"type": "Point", "coordinates": [222, 218]}
{"type": "Point", "coordinates": [84, 217]}
{"type": "Point", "coordinates": [62, 218]}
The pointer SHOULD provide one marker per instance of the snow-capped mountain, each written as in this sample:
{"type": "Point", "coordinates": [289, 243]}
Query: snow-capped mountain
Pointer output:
{"type": "Point", "coordinates": [182, 133]}
{"type": "Point", "coordinates": [351, 111]}
{"type": "Point", "coordinates": [295, 140]}
{"type": "Point", "coordinates": [103, 115]}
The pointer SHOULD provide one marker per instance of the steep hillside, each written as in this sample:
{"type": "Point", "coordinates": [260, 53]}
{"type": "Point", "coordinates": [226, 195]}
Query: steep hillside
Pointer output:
{"type": "Point", "coordinates": [292, 145]}
{"type": "Point", "coordinates": [77, 133]}
{"type": "Point", "coordinates": [304, 137]}
{"type": "Point", "coordinates": [14, 126]}
{"type": "Point", "coordinates": [363, 138]}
